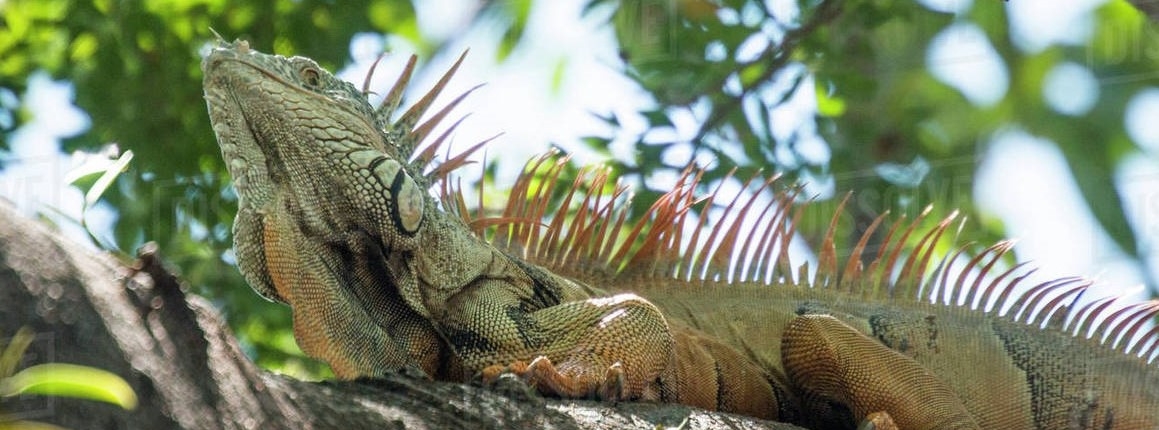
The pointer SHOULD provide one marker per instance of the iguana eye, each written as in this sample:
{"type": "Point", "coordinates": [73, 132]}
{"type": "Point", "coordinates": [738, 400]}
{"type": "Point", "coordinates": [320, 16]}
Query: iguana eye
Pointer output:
{"type": "Point", "coordinates": [310, 76]}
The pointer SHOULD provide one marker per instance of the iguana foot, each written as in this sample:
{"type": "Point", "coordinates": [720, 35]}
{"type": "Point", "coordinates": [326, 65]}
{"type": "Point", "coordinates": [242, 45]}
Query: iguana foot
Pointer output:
{"type": "Point", "coordinates": [543, 375]}
{"type": "Point", "coordinates": [877, 421]}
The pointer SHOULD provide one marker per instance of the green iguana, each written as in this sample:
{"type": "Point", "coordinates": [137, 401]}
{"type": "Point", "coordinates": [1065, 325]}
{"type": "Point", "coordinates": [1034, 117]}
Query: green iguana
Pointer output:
{"type": "Point", "coordinates": [336, 219]}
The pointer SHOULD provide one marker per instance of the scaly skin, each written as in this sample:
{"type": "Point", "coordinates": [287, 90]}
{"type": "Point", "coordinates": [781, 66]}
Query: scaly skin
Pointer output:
{"type": "Point", "coordinates": [379, 279]}
{"type": "Point", "coordinates": [335, 220]}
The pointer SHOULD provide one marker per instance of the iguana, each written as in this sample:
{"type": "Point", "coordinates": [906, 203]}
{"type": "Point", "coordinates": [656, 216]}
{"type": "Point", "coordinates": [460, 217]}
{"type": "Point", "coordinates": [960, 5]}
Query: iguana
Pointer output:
{"type": "Point", "coordinates": [337, 219]}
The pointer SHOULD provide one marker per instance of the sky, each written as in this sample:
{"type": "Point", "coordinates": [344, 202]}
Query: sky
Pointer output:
{"type": "Point", "coordinates": [1021, 179]}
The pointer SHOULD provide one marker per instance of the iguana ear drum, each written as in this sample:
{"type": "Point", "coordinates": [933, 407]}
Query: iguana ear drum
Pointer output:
{"type": "Point", "coordinates": [407, 206]}
{"type": "Point", "coordinates": [404, 197]}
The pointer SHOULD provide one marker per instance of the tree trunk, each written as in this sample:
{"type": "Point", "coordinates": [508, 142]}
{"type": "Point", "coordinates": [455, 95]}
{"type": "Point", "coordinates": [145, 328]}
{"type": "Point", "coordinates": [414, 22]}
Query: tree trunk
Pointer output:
{"type": "Point", "coordinates": [188, 371]}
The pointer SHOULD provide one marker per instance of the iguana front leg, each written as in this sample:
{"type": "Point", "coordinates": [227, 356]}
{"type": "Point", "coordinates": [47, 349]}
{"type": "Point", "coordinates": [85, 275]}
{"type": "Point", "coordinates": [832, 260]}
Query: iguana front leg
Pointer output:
{"type": "Point", "coordinates": [830, 361]}
{"type": "Point", "coordinates": [610, 348]}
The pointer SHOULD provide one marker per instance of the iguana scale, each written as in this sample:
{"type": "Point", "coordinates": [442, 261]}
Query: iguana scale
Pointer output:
{"type": "Point", "coordinates": [336, 219]}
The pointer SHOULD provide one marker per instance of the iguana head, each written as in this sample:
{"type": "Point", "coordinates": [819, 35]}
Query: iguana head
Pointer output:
{"type": "Point", "coordinates": [294, 135]}
{"type": "Point", "coordinates": [311, 158]}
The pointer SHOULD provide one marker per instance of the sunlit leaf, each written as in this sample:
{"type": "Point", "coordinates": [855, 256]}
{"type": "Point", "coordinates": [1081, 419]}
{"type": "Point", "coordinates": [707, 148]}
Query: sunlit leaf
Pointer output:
{"type": "Point", "coordinates": [110, 174]}
{"type": "Point", "coordinates": [70, 380]}
{"type": "Point", "coordinates": [753, 73]}
{"type": "Point", "coordinates": [14, 351]}
{"type": "Point", "coordinates": [30, 425]}
{"type": "Point", "coordinates": [827, 104]}
{"type": "Point", "coordinates": [83, 47]}
{"type": "Point", "coordinates": [1121, 35]}
{"type": "Point", "coordinates": [558, 72]}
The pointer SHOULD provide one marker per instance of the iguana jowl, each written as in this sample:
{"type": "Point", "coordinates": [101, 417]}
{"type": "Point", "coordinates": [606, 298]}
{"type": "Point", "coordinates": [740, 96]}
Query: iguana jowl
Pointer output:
{"type": "Point", "coordinates": [335, 219]}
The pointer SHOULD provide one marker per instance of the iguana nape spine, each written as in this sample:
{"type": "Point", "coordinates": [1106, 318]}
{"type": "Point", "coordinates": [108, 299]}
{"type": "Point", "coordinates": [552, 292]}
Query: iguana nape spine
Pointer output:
{"type": "Point", "coordinates": [334, 220]}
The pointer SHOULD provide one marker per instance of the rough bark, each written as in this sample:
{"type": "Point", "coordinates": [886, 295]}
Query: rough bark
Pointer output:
{"type": "Point", "coordinates": [186, 367]}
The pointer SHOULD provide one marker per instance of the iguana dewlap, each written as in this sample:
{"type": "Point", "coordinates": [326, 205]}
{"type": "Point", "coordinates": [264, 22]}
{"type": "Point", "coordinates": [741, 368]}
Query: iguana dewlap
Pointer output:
{"type": "Point", "coordinates": [335, 219]}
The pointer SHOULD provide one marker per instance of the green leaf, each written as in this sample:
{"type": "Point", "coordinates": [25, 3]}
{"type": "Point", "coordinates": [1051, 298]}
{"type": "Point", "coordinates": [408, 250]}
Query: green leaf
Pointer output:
{"type": "Point", "coordinates": [70, 380]}
{"type": "Point", "coordinates": [30, 425]}
{"type": "Point", "coordinates": [598, 144]}
{"type": "Point", "coordinates": [1120, 33]}
{"type": "Point", "coordinates": [657, 118]}
{"type": "Point", "coordinates": [753, 74]}
{"type": "Point", "coordinates": [110, 174]}
{"type": "Point", "coordinates": [108, 171]}
{"type": "Point", "coordinates": [12, 353]}
{"type": "Point", "coordinates": [558, 71]}
{"type": "Point", "coordinates": [827, 105]}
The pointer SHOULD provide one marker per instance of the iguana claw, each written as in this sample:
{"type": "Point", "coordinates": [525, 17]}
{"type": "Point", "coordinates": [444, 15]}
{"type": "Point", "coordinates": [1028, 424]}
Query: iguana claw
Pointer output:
{"type": "Point", "coordinates": [543, 375]}
{"type": "Point", "coordinates": [877, 421]}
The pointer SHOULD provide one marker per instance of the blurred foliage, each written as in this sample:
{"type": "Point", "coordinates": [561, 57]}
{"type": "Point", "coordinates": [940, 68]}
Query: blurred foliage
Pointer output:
{"type": "Point", "coordinates": [885, 125]}
{"type": "Point", "coordinates": [895, 134]}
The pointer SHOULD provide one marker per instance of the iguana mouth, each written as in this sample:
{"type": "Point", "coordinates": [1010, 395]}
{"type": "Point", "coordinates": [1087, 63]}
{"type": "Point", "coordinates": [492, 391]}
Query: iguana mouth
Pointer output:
{"type": "Point", "coordinates": [249, 134]}
{"type": "Point", "coordinates": [238, 143]}
{"type": "Point", "coordinates": [328, 91]}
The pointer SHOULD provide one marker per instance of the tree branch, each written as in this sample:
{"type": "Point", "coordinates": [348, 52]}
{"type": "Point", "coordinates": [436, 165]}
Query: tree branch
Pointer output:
{"type": "Point", "coordinates": [188, 371]}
